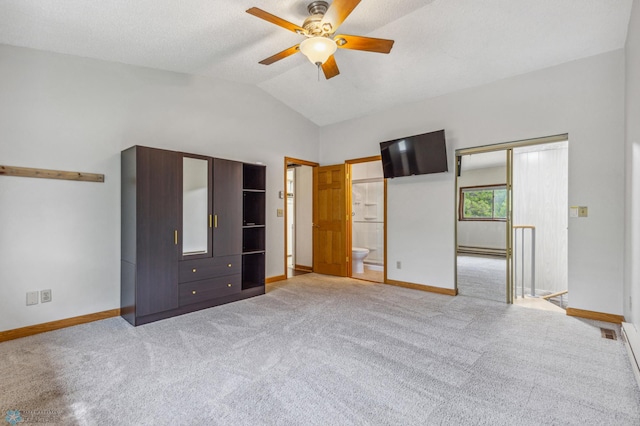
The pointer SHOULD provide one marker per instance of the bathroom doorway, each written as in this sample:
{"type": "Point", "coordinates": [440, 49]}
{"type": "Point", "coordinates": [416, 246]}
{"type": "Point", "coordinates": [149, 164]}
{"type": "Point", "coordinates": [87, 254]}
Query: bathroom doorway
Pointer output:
{"type": "Point", "coordinates": [367, 212]}
{"type": "Point", "coordinates": [298, 215]}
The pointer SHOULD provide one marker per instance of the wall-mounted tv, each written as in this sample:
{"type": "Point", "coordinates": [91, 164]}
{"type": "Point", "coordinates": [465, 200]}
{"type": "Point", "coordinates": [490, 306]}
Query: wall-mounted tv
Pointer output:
{"type": "Point", "coordinates": [414, 155]}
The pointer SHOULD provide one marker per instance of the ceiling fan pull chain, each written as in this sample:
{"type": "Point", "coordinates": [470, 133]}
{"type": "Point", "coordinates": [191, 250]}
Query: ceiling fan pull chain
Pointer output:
{"type": "Point", "coordinates": [318, 65]}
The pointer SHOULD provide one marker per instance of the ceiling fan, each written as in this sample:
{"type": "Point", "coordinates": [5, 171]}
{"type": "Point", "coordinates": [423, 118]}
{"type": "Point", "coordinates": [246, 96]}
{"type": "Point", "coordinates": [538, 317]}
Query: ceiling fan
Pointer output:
{"type": "Point", "coordinates": [320, 28]}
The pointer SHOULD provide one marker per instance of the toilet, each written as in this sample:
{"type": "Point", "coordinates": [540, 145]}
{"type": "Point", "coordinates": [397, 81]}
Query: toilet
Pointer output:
{"type": "Point", "coordinates": [357, 258]}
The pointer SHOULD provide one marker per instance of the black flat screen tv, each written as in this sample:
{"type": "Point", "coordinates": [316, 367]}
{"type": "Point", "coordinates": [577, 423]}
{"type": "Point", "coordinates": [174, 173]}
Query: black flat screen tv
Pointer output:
{"type": "Point", "coordinates": [414, 155]}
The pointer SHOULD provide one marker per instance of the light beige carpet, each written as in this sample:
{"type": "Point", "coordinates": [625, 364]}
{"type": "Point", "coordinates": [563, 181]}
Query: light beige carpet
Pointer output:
{"type": "Point", "coordinates": [319, 350]}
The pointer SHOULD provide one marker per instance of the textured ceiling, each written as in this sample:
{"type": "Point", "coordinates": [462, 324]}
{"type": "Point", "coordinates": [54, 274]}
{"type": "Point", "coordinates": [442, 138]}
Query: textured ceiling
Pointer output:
{"type": "Point", "coordinates": [440, 46]}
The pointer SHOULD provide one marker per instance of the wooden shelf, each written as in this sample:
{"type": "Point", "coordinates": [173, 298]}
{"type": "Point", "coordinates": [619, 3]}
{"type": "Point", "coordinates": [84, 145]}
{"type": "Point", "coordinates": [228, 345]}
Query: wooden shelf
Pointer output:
{"type": "Point", "coordinates": [253, 239]}
{"type": "Point", "coordinates": [254, 177]}
{"type": "Point", "coordinates": [50, 174]}
{"type": "Point", "coordinates": [253, 270]}
{"type": "Point", "coordinates": [253, 208]}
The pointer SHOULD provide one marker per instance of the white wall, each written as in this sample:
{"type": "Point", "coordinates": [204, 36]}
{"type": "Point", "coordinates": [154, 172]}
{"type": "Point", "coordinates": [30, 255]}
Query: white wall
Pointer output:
{"type": "Point", "coordinates": [584, 98]}
{"type": "Point", "coordinates": [69, 113]}
{"type": "Point", "coordinates": [476, 233]}
{"type": "Point", "coordinates": [632, 243]}
{"type": "Point", "coordinates": [304, 216]}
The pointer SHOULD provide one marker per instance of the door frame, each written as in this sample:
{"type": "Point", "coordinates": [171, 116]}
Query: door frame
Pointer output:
{"type": "Point", "coordinates": [287, 162]}
{"type": "Point", "coordinates": [508, 148]}
{"type": "Point", "coordinates": [349, 163]}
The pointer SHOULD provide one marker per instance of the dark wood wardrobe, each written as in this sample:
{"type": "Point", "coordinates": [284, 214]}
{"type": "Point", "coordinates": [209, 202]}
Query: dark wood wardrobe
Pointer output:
{"type": "Point", "coordinates": [193, 233]}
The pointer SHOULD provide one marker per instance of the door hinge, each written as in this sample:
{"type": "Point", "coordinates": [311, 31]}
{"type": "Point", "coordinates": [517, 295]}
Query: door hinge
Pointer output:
{"type": "Point", "coordinates": [347, 258]}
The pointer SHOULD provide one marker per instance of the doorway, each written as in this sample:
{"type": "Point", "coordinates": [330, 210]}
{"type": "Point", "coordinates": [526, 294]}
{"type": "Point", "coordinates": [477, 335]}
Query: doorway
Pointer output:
{"type": "Point", "coordinates": [298, 216]}
{"type": "Point", "coordinates": [482, 225]}
{"type": "Point", "coordinates": [367, 188]}
{"type": "Point", "coordinates": [511, 222]}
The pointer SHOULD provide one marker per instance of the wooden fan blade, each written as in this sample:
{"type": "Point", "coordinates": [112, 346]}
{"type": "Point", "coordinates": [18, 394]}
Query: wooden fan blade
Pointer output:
{"type": "Point", "coordinates": [338, 12]}
{"type": "Point", "coordinates": [330, 68]}
{"type": "Point", "coordinates": [275, 20]}
{"type": "Point", "coordinates": [378, 45]}
{"type": "Point", "coordinates": [287, 52]}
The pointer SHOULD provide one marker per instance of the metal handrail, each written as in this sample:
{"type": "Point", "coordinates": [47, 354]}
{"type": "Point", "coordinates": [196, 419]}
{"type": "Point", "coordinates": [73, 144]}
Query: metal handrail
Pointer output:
{"type": "Point", "coordinates": [552, 295]}
{"type": "Point", "coordinates": [559, 293]}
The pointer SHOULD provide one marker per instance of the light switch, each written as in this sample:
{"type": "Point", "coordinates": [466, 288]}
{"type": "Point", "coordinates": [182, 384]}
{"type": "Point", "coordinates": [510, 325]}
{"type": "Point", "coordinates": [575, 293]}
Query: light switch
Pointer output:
{"type": "Point", "coordinates": [280, 212]}
{"type": "Point", "coordinates": [573, 211]}
{"type": "Point", "coordinates": [583, 211]}
{"type": "Point", "coordinates": [32, 298]}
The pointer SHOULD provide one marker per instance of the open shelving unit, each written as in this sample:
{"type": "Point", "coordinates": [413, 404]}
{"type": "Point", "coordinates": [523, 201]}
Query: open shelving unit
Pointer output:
{"type": "Point", "coordinates": [253, 226]}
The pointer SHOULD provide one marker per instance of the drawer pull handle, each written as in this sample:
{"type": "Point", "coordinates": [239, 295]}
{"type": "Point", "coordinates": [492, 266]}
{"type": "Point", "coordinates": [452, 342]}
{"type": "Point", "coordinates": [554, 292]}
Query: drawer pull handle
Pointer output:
{"type": "Point", "coordinates": [229, 265]}
{"type": "Point", "coordinates": [194, 270]}
{"type": "Point", "coordinates": [193, 292]}
{"type": "Point", "coordinates": [228, 285]}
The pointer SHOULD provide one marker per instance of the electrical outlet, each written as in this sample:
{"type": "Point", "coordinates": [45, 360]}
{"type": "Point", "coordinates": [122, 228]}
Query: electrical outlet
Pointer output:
{"type": "Point", "coordinates": [32, 298]}
{"type": "Point", "coordinates": [398, 265]}
{"type": "Point", "coordinates": [45, 296]}
{"type": "Point", "coordinates": [280, 212]}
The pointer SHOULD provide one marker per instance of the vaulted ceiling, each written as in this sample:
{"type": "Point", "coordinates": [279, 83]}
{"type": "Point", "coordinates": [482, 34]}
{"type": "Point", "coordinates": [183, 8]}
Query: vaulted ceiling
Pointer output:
{"type": "Point", "coordinates": [441, 46]}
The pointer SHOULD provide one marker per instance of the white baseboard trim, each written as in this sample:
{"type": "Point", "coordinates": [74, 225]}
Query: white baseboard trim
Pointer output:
{"type": "Point", "coordinates": [632, 342]}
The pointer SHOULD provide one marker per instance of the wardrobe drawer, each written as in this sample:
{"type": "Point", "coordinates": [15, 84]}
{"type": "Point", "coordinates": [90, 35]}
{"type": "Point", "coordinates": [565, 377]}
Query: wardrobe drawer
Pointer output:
{"type": "Point", "coordinates": [200, 269]}
{"type": "Point", "coordinates": [199, 291]}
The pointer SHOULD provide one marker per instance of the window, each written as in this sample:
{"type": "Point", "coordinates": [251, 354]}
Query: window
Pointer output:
{"type": "Point", "coordinates": [483, 203]}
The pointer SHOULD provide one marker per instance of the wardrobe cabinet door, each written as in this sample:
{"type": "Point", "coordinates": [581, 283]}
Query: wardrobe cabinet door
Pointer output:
{"type": "Point", "coordinates": [227, 207]}
{"type": "Point", "coordinates": [158, 239]}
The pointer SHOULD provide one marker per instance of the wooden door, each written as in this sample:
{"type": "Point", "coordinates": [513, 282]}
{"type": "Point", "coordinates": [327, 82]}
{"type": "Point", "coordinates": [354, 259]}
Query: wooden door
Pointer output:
{"type": "Point", "coordinates": [158, 201]}
{"type": "Point", "coordinates": [227, 207]}
{"type": "Point", "coordinates": [330, 254]}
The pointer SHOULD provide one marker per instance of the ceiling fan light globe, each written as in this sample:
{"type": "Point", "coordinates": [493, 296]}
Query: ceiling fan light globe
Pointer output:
{"type": "Point", "coordinates": [318, 49]}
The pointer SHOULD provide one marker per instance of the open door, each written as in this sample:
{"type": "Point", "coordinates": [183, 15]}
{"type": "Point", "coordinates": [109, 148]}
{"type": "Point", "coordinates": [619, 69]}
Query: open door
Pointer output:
{"type": "Point", "coordinates": [298, 214]}
{"type": "Point", "coordinates": [330, 254]}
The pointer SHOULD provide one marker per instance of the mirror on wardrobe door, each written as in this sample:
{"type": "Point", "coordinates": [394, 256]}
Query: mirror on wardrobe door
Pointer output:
{"type": "Point", "coordinates": [195, 215]}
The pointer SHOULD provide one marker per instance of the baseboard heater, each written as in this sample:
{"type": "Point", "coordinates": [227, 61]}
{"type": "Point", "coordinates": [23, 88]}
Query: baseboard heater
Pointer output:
{"type": "Point", "coordinates": [485, 251]}
{"type": "Point", "coordinates": [632, 342]}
